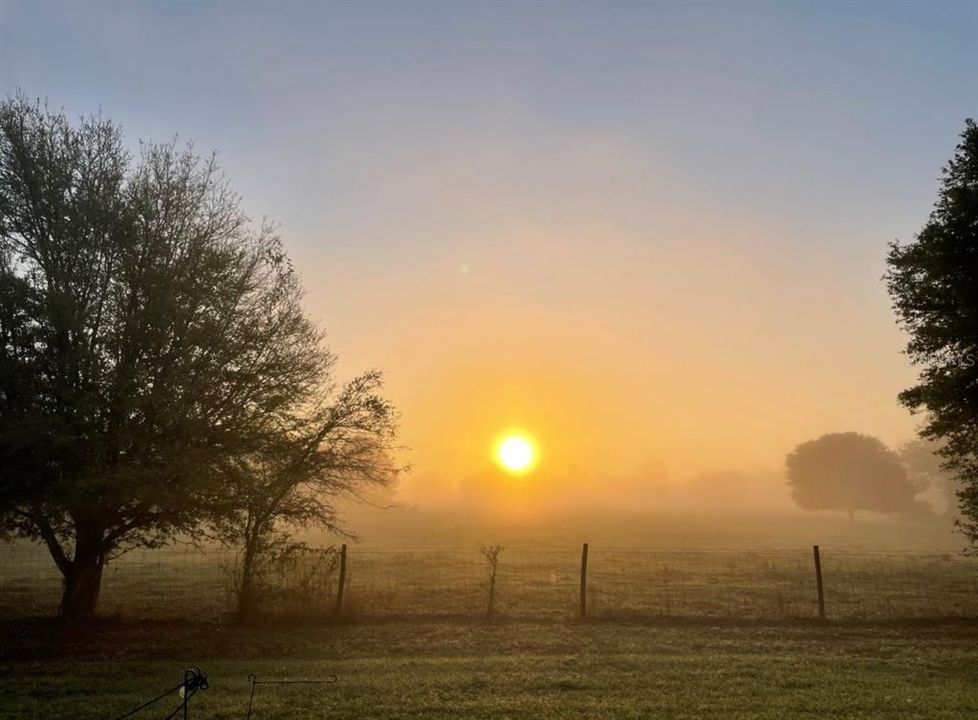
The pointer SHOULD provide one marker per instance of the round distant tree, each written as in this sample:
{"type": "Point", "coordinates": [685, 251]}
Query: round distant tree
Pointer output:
{"type": "Point", "coordinates": [848, 471]}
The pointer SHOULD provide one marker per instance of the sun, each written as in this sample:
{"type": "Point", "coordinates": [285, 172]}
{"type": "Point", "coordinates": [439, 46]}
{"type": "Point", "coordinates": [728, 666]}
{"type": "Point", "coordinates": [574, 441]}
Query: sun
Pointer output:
{"type": "Point", "coordinates": [516, 453]}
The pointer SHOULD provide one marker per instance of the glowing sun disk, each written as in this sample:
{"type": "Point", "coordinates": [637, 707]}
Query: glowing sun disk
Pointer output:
{"type": "Point", "coordinates": [515, 453]}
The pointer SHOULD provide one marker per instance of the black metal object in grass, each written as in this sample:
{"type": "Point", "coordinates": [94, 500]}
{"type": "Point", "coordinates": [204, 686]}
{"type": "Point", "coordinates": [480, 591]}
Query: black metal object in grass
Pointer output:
{"type": "Point", "coordinates": [253, 679]}
{"type": "Point", "coordinates": [193, 680]}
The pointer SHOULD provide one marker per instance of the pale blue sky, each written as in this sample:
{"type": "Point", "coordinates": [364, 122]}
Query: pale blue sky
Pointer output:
{"type": "Point", "coordinates": [720, 176]}
{"type": "Point", "coordinates": [741, 96]}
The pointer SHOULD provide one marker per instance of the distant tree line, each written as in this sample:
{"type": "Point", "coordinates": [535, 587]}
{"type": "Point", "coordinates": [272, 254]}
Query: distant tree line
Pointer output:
{"type": "Point", "coordinates": [158, 374]}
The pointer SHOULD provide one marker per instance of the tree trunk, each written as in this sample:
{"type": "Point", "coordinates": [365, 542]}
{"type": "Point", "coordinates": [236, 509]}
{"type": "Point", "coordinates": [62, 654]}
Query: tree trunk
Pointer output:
{"type": "Point", "coordinates": [246, 590]}
{"type": "Point", "coordinates": [83, 577]}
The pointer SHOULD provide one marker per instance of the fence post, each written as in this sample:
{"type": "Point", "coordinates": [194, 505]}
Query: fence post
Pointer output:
{"type": "Point", "coordinates": [818, 582]}
{"type": "Point", "coordinates": [584, 581]}
{"type": "Point", "coordinates": [342, 584]}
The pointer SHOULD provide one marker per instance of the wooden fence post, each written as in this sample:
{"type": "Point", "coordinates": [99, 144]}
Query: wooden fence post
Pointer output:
{"type": "Point", "coordinates": [818, 582]}
{"type": "Point", "coordinates": [342, 584]}
{"type": "Point", "coordinates": [584, 581]}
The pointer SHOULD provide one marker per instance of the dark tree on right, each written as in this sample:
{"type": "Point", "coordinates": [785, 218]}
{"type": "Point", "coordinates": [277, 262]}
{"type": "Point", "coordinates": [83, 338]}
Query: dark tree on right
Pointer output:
{"type": "Point", "coordinates": [933, 282]}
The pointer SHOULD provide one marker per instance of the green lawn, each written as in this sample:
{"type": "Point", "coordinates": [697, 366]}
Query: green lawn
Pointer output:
{"type": "Point", "coordinates": [503, 670]}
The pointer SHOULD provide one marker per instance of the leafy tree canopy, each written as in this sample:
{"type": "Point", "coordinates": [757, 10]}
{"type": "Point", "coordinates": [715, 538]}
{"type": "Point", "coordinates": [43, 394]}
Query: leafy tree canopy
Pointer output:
{"type": "Point", "coordinates": [149, 332]}
{"type": "Point", "coordinates": [933, 283]}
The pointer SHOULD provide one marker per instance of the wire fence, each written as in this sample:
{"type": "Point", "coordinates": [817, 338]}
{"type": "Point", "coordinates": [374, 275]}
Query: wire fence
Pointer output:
{"type": "Point", "coordinates": [183, 583]}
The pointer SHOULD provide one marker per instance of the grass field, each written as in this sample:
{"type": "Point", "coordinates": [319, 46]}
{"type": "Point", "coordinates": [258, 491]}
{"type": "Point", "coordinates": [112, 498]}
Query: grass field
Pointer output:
{"type": "Point", "coordinates": [923, 669]}
{"type": "Point", "coordinates": [671, 634]}
{"type": "Point", "coordinates": [532, 584]}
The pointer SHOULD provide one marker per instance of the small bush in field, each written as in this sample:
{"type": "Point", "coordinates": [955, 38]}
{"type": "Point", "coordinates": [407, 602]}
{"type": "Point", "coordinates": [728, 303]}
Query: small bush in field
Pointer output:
{"type": "Point", "coordinates": [491, 554]}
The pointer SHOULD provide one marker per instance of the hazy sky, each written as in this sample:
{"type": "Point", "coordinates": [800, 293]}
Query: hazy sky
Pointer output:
{"type": "Point", "coordinates": [651, 234]}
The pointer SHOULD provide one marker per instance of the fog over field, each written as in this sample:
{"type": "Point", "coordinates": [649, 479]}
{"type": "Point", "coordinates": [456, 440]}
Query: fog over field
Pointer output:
{"type": "Point", "coordinates": [728, 510]}
{"type": "Point", "coordinates": [488, 359]}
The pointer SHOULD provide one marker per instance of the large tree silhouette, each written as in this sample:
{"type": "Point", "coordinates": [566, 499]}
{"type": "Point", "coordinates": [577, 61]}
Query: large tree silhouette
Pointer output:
{"type": "Point", "coordinates": [933, 282]}
{"type": "Point", "coordinates": [149, 333]}
{"type": "Point", "coordinates": [849, 472]}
